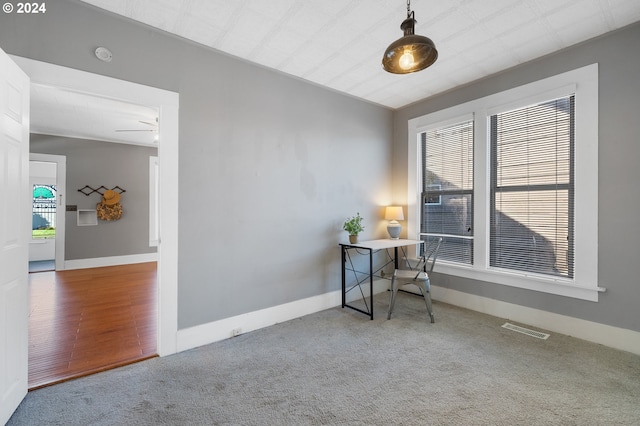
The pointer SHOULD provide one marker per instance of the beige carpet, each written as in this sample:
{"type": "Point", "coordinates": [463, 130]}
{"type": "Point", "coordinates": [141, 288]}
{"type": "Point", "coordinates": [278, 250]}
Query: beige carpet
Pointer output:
{"type": "Point", "coordinates": [337, 367]}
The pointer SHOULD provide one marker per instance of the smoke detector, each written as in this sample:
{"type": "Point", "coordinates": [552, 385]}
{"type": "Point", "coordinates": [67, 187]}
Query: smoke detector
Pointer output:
{"type": "Point", "coordinates": [104, 54]}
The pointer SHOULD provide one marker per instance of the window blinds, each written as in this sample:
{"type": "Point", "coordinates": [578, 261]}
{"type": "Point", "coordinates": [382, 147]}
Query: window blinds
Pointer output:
{"type": "Point", "coordinates": [447, 190]}
{"type": "Point", "coordinates": [532, 188]}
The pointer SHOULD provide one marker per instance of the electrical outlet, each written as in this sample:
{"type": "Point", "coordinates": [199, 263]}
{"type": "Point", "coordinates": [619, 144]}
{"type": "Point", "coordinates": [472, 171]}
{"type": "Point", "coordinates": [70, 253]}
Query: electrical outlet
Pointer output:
{"type": "Point", "coordinates": [236, 332]}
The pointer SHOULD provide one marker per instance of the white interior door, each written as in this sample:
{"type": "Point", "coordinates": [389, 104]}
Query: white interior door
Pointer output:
{"type": "Point", "coordinates": [14, 235]}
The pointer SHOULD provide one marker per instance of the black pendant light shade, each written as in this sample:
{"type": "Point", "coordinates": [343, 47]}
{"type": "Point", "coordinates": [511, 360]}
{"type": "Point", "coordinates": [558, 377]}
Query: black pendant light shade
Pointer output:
{"type": "Point", "coordinates": [411, 52]}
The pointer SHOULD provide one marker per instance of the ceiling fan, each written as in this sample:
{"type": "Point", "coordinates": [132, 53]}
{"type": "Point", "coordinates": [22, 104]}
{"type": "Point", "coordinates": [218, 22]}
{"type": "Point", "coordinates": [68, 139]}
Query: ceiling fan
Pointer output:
{"type": "Point", "coordinates": [154, 127]}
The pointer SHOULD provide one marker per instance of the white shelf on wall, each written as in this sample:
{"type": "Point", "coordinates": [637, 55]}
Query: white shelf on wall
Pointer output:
{"type": "Point", "coordinates": [87, 217]}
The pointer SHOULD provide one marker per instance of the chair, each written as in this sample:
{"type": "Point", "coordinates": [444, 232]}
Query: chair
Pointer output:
{"type": "Point", "coordinates": [418, 275]}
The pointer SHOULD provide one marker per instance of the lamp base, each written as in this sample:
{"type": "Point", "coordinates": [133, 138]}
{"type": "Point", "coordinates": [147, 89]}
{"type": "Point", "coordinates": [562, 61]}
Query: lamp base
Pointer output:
{"type": "Point", "coordinates": [394, 230]}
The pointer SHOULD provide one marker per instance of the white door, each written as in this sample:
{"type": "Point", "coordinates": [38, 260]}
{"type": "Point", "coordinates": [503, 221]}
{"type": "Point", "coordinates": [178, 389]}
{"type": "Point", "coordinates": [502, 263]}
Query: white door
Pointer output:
{"type": "Point", "coordinates": [14, 235]}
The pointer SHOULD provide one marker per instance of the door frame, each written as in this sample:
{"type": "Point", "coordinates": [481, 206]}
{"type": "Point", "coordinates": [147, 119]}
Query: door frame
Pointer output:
{"type": "Point", "coordinates": [61, 191]}
{"type": "Point", "coordinates": [167, 104]}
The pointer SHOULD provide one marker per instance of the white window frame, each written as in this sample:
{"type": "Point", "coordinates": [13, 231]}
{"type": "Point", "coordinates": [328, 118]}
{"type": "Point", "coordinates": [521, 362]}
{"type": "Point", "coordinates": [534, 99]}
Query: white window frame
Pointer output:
{"type": "Point", "coordinates": [582, 82]}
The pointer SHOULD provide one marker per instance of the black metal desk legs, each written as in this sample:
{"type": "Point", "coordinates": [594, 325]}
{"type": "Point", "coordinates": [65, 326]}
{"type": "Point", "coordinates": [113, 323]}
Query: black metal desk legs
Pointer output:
{"type": "Point", "coordinates": [360, 276]}
{"type": "Point", "coordinates": [358, 282]}
{"type": "Point", "coordinates": [344, 267]}
{"type": "Point", "coordinates": [371, 282]}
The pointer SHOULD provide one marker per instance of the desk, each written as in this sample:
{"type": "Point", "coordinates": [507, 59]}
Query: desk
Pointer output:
{"type": "Point", "coordinates": [371, 246]}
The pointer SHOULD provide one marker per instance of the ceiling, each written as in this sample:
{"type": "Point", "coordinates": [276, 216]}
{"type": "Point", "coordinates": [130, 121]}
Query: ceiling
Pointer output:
{"type": "Point", "coordinates": [339, 43]}
{"type": "Point", "coordinates": [62, 112]}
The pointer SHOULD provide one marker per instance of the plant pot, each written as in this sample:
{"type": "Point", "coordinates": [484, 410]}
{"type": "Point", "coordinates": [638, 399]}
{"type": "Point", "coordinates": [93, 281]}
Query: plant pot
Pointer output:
{"type": "Point", "coordinates": [353, 239]}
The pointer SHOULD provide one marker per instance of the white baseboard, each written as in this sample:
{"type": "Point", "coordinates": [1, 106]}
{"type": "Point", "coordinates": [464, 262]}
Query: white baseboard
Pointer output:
{"type": "Point", "coordinates": [223, 329]}
{"type": "Point", "coordinates": [97, 262]}
{"type": "Point", "coordinates": [614, 337]}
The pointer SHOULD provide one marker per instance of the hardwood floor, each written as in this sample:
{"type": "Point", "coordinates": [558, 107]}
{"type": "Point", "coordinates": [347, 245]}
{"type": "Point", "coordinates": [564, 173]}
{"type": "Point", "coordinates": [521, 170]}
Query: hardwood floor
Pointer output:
{"type": "Point", "coordinates": [89, 320]}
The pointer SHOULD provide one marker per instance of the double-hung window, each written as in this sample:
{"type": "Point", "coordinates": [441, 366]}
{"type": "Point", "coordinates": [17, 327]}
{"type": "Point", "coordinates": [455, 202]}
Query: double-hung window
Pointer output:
{"type": "Point", "coordinates": [510, 182]}
{"type": "Point", "coordinates": [532, 188]}
{"type": "Point", "coordinates": [447, 189]}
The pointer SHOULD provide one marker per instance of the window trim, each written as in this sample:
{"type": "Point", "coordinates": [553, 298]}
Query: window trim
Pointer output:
{"type": "Point", "coordinates": [583, 82]}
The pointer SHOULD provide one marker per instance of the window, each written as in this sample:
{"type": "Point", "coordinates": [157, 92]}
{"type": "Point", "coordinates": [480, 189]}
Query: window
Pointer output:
{"type": "Point", "coordinates": [532, 185]}
{"type": "Point", "coordinates": [44, 211]}
{"type": "Point", "coordinates": [510, 181]}
{"type": "Point", "coordinates": [447, 189]}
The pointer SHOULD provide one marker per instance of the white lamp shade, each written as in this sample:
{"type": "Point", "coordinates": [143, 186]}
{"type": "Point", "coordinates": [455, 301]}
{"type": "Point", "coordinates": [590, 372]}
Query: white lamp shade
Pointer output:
{"type": "Point", "coordinates": [394, 213]}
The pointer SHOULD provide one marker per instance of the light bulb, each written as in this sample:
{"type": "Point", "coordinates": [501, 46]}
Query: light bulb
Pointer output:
{"type": "Point", "coordinates": [406, 60]}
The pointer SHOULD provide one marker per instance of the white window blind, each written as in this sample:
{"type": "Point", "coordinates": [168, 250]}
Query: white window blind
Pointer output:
{"type": "Point", "coordinates": [532, 189]}
{"type": "Point", "coordinates": [447, 190]}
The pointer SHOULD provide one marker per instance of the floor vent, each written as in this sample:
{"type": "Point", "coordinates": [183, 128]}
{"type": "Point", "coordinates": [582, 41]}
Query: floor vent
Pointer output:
{"type": "Point", "coordinates": [526, 331]}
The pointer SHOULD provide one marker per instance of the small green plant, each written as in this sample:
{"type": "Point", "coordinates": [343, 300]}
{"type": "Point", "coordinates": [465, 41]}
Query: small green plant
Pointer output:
{"type": "Point", "coordinates": [353, 225]}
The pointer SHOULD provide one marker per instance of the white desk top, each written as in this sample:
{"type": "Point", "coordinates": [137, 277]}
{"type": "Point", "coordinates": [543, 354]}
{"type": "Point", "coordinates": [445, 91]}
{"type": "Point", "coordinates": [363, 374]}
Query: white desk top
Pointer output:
{"type": "Point", "coordinates": [383, 244]}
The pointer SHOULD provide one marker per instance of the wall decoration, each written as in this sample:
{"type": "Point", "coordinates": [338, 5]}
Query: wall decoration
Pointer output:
{"type": "Point", "coordinates": [109, 208]}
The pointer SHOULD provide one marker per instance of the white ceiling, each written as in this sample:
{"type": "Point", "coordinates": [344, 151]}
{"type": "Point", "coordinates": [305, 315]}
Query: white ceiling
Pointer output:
{"type": "Point", "coordinates": [61, 112]}
{"type": "Point", "coordinates": [339, 43]}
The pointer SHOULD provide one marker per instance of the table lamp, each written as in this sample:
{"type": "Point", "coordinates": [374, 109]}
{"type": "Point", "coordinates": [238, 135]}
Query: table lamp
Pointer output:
{"type": "Point", "coordinates": [393, 214]}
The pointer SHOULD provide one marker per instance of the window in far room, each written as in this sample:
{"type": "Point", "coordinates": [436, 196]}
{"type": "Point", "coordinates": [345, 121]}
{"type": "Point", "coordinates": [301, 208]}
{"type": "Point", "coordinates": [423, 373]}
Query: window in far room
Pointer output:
{"type": "Point", "coordinates": [44, 211]}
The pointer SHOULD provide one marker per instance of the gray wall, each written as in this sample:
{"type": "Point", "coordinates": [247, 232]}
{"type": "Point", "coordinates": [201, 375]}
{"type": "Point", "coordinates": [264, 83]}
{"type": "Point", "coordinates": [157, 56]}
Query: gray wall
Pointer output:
{"type": "Point", "coordinates": [270, 166]}
{"type": "Point", "coordinates": [619, 174]}
{"type": "Point", "coordinates": [97, 163]}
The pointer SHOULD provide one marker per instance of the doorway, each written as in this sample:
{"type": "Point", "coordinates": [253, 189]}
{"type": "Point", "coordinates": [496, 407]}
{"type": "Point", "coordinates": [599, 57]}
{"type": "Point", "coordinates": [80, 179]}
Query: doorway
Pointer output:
{"type": "Point", "coordinates": [85, 318]}
{"type": "Point", "coordinates": [47, 178]}
{"type": "Point", "coordinates": [43, 186]}
{"type": "Point", "coordinates": [167, 105]}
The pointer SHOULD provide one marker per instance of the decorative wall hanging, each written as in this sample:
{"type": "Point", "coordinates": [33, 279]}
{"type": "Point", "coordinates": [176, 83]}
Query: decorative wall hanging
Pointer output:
{"type": "Point", "coordinates": [109, 208]}
{"type": "Point", "coordinates": [87, 190]}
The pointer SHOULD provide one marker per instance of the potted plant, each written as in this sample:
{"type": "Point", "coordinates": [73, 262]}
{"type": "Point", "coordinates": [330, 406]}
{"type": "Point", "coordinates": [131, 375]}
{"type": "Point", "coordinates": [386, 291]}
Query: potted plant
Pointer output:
{"type": "Point", "coordinates": [353, 226]}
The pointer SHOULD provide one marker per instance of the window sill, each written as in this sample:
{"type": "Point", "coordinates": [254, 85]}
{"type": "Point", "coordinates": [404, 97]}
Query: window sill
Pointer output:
{"type": "Point", "coordinates": [557, 286]}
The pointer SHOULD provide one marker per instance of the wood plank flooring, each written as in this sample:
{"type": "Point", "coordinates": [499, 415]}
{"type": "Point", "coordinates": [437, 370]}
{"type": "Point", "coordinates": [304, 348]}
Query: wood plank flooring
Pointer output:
{"type": "Point", "coordinates": [89, 320]}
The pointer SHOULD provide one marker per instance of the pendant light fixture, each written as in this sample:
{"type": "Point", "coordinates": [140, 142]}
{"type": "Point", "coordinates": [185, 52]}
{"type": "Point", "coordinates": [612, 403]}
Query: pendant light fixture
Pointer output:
{"type": "Point", "coordinates": [411, 52]}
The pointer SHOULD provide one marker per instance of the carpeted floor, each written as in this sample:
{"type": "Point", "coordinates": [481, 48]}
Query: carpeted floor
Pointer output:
{"type": "Point", "coordinates": [337, 367]}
